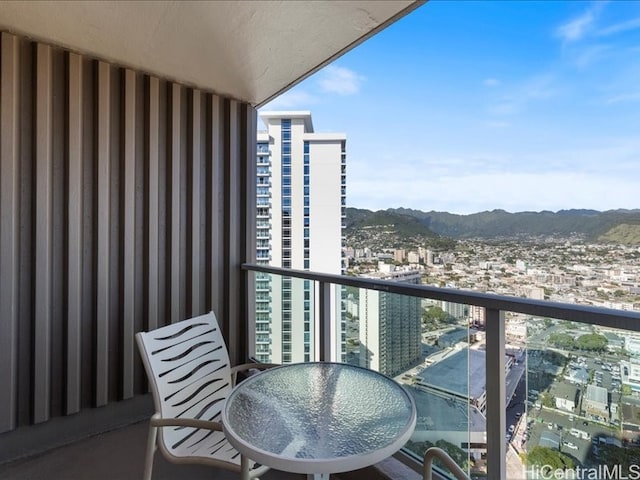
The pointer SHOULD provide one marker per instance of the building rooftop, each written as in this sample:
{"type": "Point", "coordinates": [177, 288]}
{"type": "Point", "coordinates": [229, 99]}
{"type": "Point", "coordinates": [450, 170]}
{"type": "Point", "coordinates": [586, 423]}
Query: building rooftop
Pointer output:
{"type": "Point", "coordinates": [597, 394]}
{"type": "Point", "coordinates": [304, 115]}
{"type": "Point", "coordinates": [437, 412]}
{"type": "Point", "coordinates": [565, 390]}
{"type": "Point", "coordinates": [462, 373]}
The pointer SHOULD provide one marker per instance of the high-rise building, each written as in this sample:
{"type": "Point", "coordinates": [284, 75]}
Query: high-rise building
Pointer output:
{"type": "Point", "coordinates": [301, 202]}
{"type": "Point", "coordinates": [390, 326]}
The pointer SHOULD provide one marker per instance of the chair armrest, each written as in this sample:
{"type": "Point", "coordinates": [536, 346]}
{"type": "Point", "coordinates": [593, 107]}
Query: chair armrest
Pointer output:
{"type": "Point", "coordinates": [158, 421]}
{"type": "Point", "coordinates": [249, 366]}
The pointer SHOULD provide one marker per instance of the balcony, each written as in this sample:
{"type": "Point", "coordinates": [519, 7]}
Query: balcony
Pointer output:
{"type": "Point", "coordinates": [493, 380]}
{"type": "Point", "coordinates": [128, 202]}
{"type": "Point", "coordinates": [505, 382]}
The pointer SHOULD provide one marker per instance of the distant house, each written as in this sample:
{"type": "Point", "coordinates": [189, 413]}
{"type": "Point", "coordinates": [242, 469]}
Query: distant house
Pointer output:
{"type": "Point", "coordinates": [630, 373]}
{"type": "Point", "coordinates": [595, 402]}
{"type": "Point", "coordinates": [630, 421]}
{"type": "Point", "coordinates": [632, 345]}
{"type": "Point", "coordinates": [615, 343]}
{"type": "Point", "coordinates": [578, 376]}
{"type": "Point", "coordinates": [566, 396]}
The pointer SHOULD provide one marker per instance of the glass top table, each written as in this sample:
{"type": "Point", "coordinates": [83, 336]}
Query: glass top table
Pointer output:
{"type": "Point", "coordinates": [318, 418]}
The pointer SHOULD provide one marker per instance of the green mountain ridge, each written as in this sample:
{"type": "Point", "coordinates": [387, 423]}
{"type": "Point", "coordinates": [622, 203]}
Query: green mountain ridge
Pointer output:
{"type": "Point", "coordinates": [388, 229]}
{"type": "Point", "coordinates": [617, 226]}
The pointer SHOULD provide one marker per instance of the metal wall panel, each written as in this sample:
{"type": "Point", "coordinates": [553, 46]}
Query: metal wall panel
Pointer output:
{"type": "Point", "coordinates": [75, 235]}
{"type": "Point", "coordinates": [153, 206]}
{"type": "Point", "coordinates": [9, 204]}
{"type": "Point", "coordinates": [103, 288]}
{"type": "Point", "coordinates": [129, 239]}
{"type": "Point", "coordinates": [123, 208]}
{"type": "Point", "coordinates": [43, 235]}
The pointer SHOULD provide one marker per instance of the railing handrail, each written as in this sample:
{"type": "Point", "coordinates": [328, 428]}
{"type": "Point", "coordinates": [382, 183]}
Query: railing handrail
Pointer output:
{"type": "Point", "coordinates": [433, 452]}
{"type": "Point", "coordinates": [606, 317]}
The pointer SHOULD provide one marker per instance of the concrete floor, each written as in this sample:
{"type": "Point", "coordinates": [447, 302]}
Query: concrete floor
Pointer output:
{"type": "Point", "coordinates": [115, 455]}
{"type": "Point", "coordinates": [119, 455]}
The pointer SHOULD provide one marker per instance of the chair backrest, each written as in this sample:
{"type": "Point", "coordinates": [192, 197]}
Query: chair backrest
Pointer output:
{"type": "Point", "coordinates": [187, 364]}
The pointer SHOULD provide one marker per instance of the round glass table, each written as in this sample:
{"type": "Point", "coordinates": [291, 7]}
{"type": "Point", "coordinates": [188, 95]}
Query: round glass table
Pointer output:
{"type": "Point", "coordinates": [318, 418]}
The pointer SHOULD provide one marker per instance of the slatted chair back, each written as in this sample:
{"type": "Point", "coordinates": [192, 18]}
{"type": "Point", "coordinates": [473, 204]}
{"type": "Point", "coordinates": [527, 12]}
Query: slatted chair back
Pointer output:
{"type": "Point", "coordinates": [188, 367]}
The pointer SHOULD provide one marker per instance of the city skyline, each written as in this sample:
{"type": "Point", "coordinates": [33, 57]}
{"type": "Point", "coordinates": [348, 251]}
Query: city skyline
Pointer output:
{"type": "Point", "coordinates": [472, 106]}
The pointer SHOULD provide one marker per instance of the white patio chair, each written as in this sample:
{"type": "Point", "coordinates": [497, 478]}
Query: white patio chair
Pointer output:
{"type": "Point", "coordinates": [187, 364]}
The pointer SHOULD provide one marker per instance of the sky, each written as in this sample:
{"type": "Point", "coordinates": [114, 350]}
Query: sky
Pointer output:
{"type": "Point", "coordinates": [467, 106]}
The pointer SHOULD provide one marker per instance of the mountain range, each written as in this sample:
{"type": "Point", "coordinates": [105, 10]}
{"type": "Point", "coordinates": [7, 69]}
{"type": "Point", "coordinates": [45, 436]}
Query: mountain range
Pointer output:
{"type": "Point", "coordinates": [617, 226]}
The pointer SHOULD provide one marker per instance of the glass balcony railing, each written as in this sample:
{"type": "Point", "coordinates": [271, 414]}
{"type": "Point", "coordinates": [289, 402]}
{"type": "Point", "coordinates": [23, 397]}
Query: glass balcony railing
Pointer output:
{"type": "Point", "coordinates": [507, 386]}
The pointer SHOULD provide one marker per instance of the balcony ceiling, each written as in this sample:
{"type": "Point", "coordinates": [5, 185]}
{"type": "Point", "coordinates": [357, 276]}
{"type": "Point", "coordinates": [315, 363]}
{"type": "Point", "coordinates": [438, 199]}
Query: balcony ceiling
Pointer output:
{"type": "Point", "coordinates": [249, 50]}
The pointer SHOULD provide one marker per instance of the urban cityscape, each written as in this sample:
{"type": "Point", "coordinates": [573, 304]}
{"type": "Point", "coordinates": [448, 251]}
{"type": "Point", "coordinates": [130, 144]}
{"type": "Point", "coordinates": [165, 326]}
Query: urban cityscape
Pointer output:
{"type": "Point", "coordinates": [573, 390]}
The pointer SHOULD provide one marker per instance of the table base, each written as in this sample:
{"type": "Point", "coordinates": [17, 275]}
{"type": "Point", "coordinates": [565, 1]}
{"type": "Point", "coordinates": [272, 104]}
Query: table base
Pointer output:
{"type": "Point", "coordinates": [318, 476]}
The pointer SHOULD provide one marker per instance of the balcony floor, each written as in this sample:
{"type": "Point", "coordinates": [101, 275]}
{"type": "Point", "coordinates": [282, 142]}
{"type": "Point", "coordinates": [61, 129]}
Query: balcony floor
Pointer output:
{"type": "Point", "coordinates": [119, 455]}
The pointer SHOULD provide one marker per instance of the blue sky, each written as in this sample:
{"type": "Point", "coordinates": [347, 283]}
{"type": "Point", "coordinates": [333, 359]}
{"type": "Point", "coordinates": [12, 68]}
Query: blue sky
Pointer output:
{"type": "Point", "coordinates": [467, 106]}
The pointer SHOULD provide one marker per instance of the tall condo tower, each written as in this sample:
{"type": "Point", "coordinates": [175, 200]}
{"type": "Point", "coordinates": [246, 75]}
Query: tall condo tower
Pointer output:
{"type": "Point", "coordinates": [301, 198]}
{"type": "Point", "coordinates": [390, 326]}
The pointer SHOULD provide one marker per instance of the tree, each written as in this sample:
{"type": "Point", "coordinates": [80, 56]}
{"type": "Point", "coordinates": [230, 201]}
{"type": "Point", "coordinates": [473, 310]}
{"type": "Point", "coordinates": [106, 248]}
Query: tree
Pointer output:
{"type": "Point", "coordinates": [562, 340]}
{"type": "Point", "coordinates": [592, 342]}
{"type": "Point", "coordinates": [435, 314]}
{"type": "Point", "coordinates": [625, 457]}
{"type": "Point", "coordinates": [548, 400]}
{"type": "Point", "coordinates": [543, 456]}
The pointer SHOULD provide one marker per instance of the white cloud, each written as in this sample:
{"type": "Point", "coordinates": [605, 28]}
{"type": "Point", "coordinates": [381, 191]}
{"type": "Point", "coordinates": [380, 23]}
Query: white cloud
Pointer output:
{"type": "Point", "coordinates": [623, 98]}
{"type": "Point", "coordinates": [620, 27]}
{"type": "Point", "coordinates": [539, 87]}
{"type": "Point", "coordinates": [498, 124]}
{"type": "Point", "coordinates": [340, 80]}
{"type": "Point", "coordinates": [292, 100]}
{"type": "Point", "coordinates": [514, 192]}
{"type": "Point", "coordinates": [600, 175]}
{"type": "Point", "coordinates": [579, 27]}
{"type": "Point", "coordinates": [492, 82]}
{"type": "Point", "coordinates": [589, 55]}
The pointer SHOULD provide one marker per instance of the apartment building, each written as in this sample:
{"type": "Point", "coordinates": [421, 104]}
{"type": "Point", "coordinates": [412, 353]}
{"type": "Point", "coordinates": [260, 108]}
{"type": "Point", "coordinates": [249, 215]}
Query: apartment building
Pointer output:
{"type": "Point", "coordinates": [301, 202]}
{"type": "Point", "coordinates": [390, 331]}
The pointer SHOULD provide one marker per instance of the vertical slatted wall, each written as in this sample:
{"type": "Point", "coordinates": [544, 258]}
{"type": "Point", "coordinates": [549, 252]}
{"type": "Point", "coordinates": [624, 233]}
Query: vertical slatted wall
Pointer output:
{"type": "Point", "coordinates": [123, 208]}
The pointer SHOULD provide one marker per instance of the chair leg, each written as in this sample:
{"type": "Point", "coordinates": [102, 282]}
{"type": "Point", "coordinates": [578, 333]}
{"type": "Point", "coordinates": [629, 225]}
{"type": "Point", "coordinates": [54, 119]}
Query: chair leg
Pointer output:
{"type": "Point", "coordinates": [151, 450]}
{"type": "Point", "coordinates": [244, 468]}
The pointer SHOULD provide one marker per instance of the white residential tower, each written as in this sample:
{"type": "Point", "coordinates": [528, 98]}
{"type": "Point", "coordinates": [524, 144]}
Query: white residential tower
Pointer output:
{"type": "Point", "coordinates": [301, 191]}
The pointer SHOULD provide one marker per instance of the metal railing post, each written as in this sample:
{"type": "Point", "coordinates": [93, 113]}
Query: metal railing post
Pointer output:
{"type": "Point", "coordinates": [496, 403]}
{"type": "Point", "coordinates": [324, 322]}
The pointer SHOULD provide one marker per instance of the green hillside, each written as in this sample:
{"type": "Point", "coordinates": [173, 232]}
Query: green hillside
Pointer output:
{"type": "Point", "coordinates": [625, 233]}
{"type": "Point", "coordinates": [388, 229]}
{"type": "Point", "coordinates": [407, 225]}
{"type": "Point", "coordinates": [589, 224]}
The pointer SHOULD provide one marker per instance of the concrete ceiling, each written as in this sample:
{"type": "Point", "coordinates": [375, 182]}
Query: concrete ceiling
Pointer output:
{"type": "Point", "coordinates": [249, 50]}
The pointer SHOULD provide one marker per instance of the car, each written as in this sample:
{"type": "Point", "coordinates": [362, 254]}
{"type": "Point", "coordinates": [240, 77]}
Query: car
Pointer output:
{"type": "Point", "coordinates": [518, 415]}
{"type": "Point", "coordinates": [585, 423]}
{"type": "Point", "coordinates": [511, 428]}
{"type": "Point", "coordinates": [570, 445]}
{"type": "Point", "coordinates": [550, 426]}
